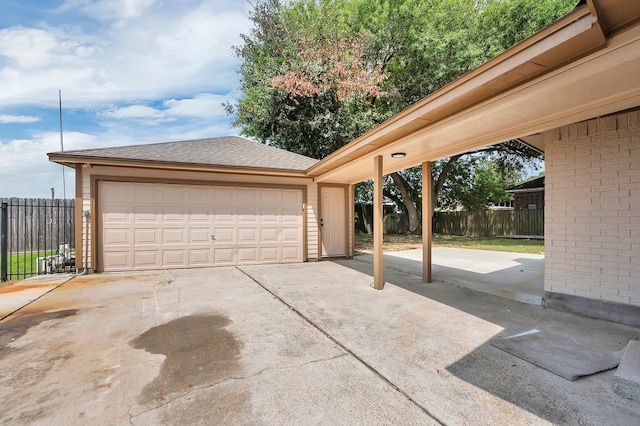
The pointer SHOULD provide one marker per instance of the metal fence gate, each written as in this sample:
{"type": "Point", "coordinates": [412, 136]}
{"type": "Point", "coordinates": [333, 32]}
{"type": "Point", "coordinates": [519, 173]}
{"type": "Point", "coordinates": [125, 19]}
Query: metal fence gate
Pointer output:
{"type": "Point", "coordinates": [37, 237]}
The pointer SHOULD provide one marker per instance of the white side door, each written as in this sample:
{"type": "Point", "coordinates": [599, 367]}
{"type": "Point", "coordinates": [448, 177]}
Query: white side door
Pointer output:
{"type": "Point", "coordinates": [332, 221]}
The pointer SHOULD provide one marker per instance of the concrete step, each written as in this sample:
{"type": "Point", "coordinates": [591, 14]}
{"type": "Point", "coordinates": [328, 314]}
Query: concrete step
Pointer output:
{"type": "Point", "coordinates": [626, 382]}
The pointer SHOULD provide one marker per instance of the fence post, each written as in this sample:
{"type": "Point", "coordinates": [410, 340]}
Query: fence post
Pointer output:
{"type": "Point", "coordinates": [4, 240]}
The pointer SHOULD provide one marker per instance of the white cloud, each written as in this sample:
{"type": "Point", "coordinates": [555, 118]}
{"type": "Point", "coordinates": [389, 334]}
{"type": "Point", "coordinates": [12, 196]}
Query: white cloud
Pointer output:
{"type": "Point", "coordinates": [142, 114]}
{"type": "Point", "coordinates": [25, 170]}
{"type": "Point", "coordinates": [156, 49]}
{"type": "Point", "coordinates": [6, 119]}
{"type": "Point", "coordinates": [204, 106]}
{"type": "Point", "coordinates": [107, 10]}
{"type": "Point", "coordinates": [144, 70]}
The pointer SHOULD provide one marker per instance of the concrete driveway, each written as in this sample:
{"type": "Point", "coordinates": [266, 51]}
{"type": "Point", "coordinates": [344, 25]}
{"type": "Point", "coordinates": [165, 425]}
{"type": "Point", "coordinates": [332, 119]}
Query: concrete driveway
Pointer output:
{"type": "Point", "coordinates": [306, 343]}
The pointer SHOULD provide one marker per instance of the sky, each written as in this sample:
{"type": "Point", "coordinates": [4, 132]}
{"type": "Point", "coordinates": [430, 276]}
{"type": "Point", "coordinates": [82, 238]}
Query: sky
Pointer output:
{"type": "Point", "coordinates": [129, 71]}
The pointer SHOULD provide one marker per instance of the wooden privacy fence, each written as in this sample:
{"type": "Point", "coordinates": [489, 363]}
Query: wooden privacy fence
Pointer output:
{"type": "Point", "coordinates": [491, 223]}
{"type": "Point", "coordinates": [33, 228]}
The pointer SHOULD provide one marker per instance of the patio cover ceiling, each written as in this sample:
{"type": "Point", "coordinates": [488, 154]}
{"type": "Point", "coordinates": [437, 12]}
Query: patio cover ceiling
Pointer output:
{"type": "Point", "coordinates": [585, 65]}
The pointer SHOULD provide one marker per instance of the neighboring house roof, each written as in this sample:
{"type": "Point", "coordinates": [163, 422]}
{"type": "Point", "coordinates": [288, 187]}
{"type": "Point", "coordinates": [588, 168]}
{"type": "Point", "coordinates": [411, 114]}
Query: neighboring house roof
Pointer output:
{"type": "Point", "coordinates": [529, 186]}
{"type": "Point", "coordinates": [227, 152]}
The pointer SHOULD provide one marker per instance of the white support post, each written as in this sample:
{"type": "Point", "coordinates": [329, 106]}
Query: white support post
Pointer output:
{"type": "Point", "coordinates": [378, 266]}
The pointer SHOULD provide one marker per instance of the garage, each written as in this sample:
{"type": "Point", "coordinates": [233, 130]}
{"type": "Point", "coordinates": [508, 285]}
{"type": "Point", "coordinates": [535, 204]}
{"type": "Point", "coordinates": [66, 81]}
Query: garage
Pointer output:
{"type": "Point", "coordinates": [145, 225]}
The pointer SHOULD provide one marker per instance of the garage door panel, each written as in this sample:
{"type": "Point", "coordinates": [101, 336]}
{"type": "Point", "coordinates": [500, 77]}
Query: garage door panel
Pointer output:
{"type": "Point", "coordinates": [224, 236]}
{"type": "Point", "coordinates": [247, 255]}
{"type": "Point", "coordinates": [199, 195]}
{"type": "Point", "coordinates": [174, 258]}
{"type": "Point", "coordinates": [290, 235]}
{"type": "Point", "coordinates": [117, 213]}
{"type": "Point", "coordinates": [290, 215]}
{"type": "Point", "coordinates": [270, 197]}
{"type": "Point", "coordinates": [145, 193]}
{"type": "Point", "coordinates": [224, 215]}
{"type": "Point", "coordinates": [199, 236]}
{"type": "Point", "coordinates": [269, 235]}
{"type": "Point", "coordinates": [290, 254]}
{"type": "Point", "coordinates": [200, 214]}
{"type": "Point", "coordinates": [222, 196]}
{"type": "Point", "coordinates": [174, 236]}
{"type": "Point", "coordinates": [224, 256]}
{"type": "Point", "coordinates": [151, 226]}
{"type": "Point", "coordinates": [292, 198]}
{"type": "Point", "coordinates": [269, 254]}
{"type": "Point", "coordinates": [146, 214]}
{"type": "Point", "coordinates": [146, 236]}
{"type": "Point", "coordinates": [122, 193]}
{"type": "Point", "coordinates": [146, 259]}
{"type": "Point", "coordinates": [175, 194]}
{"type": "Point", "coordinates": [247, 235]}
{"type": "Point", "coordinates": [248, 215]}
{"type": "Point", "coordinates": [248, 196]}
{"type": "Point", "coordinates": [118, 259]}
{"type": "Point", "coordinates": [173, 214]}
{"type": "Point", "coordinates": [116, 237]}
{"type": "Point", "coordinates": [199, 257]}
{"type": "Point", "coordinates": [269, 215]}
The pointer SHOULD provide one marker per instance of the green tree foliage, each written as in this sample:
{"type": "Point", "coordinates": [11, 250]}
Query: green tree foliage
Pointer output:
{"type": "Point", "coordinates": [309, 82]}
{"type": "Point", "coordinates": [317, 74]}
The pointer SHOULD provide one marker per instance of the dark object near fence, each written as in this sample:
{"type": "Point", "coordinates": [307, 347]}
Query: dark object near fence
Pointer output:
{"type": "Point", "coordinates": [37, 236]}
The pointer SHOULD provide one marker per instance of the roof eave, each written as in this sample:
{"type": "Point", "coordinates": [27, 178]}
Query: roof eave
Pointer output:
{"type": "Point", "coordinates": [87, 161]}
{"type": "Point", "coordinates": [517, 191]}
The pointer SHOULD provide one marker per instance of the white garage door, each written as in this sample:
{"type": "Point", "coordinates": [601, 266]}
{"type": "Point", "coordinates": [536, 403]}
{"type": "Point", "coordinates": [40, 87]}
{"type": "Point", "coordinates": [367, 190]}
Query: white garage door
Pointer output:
{"type": "Point", "coordinates": [150, 226]}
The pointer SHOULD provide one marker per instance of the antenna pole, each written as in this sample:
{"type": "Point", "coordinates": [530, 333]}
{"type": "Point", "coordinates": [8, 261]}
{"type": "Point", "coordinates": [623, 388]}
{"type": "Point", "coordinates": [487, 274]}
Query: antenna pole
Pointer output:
{"type": "Point", "coordinates": [64, 184]}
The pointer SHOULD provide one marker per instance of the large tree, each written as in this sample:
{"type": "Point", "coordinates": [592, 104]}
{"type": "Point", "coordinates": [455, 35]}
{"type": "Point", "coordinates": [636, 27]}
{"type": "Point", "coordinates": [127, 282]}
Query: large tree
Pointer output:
{"type": "Point", "coordinates": [317, 74]}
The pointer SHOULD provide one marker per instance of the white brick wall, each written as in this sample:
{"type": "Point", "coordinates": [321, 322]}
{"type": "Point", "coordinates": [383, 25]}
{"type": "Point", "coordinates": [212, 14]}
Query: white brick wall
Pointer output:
{"type": "Point", "coordinates": [592, 211]}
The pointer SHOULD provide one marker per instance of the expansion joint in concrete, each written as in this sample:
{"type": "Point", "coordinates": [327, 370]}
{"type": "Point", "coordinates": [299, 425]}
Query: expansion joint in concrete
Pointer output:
{"type": "Point", "coordinates": [344, 348]}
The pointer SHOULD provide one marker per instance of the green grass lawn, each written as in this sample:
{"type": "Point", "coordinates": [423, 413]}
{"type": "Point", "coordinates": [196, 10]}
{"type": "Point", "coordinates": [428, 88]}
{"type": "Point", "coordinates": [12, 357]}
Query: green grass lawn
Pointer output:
{"type": "Point", "coordinates": [394, 242]}
{"type": "Point", "coordinates": [24, 264]}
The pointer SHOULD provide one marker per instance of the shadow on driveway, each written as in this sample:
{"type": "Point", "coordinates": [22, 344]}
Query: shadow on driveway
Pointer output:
{"type": "Point", "coordinates": [432, 341]}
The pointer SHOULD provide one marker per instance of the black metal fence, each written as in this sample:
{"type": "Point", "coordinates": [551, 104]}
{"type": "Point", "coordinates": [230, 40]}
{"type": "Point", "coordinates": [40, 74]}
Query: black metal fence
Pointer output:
{"type": "Point", "coordinates": [37, 236]}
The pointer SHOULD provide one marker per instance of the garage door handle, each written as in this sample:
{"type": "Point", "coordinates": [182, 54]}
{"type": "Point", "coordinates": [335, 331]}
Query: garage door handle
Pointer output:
{"type": "Point", "coordinates": [213, 237]}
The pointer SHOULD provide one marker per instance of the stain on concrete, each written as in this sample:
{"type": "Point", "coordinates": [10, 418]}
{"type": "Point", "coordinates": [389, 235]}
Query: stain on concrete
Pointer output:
{"type": "Point", "coordinates": [22, 287]}
{"type": "Point", "coordinates": [106, 278]}
{"type": "Point", "coordinates": [199, 351]}
{"type": "Point", "coordinates": [16, 327]}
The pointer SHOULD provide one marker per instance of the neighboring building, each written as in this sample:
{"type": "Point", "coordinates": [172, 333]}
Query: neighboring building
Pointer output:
{"type": "Point", "coordinates": [528, 195]}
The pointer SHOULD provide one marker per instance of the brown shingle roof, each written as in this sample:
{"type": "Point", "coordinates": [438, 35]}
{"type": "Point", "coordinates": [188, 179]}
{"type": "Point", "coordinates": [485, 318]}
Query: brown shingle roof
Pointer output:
{"type": "Point", "coordinates": [231, 151]}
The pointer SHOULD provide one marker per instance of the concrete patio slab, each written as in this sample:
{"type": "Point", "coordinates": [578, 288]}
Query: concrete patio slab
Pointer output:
{"type": "Point", "coordinates": [205, 346]}
{"type": "Point", "coordinates": [516, 276]}
{"type": "Point", "coordinates": [290, 344]}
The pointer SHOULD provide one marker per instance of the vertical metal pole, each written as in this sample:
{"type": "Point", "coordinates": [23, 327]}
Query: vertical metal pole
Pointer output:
{"type": "Point", "coordinates": [64, 184]}
{"type": "Point", "coordinates": [4, 246]}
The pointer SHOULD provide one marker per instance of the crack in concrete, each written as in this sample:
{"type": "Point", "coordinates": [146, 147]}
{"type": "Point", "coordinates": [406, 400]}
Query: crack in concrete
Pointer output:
{"type": "Point", "coordinates": [345, 348]}
{"type": "Point", "coordinates": [229, 379]}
